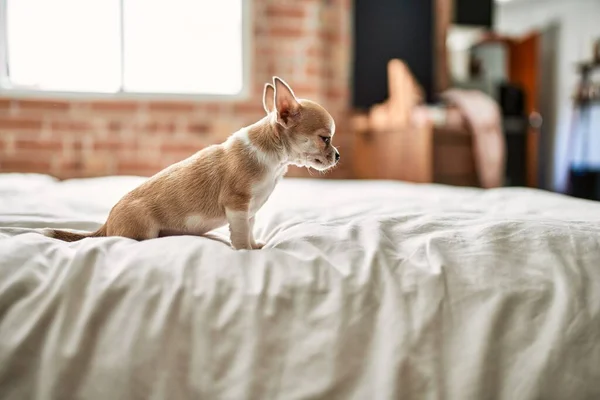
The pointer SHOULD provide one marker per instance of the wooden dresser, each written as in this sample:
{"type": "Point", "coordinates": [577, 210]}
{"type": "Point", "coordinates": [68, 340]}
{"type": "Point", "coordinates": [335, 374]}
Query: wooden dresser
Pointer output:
{"type": "Point", "coordinates": [419, 154]}
{"type": "Point", "coordinates": [398, 139]}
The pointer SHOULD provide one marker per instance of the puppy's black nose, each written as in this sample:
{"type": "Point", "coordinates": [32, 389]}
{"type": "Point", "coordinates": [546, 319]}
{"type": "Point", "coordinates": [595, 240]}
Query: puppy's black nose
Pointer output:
{"type": "Point", "coordinates": [337, 156]}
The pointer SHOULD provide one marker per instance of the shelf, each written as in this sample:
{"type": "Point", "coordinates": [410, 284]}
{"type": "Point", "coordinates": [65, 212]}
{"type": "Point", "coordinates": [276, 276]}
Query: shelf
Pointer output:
{"type": "Point", "coordinates": [586, 67]}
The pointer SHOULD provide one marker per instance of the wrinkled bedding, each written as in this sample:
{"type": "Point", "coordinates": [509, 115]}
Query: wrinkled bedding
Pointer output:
{"type": "Point", "coordinates": [365, 290]}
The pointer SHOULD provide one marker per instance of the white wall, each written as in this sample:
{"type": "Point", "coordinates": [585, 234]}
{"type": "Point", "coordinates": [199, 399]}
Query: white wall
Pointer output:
{"type": "Point", "coordinates": [494, 59]}
{"type": "Point", "coordinates": [579, 24]}
{"type": "Point", "coordinates": [460, 40]}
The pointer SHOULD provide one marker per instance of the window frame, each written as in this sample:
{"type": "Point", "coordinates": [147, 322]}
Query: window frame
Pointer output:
{"type": "Point", "coordinates": [124, 95]}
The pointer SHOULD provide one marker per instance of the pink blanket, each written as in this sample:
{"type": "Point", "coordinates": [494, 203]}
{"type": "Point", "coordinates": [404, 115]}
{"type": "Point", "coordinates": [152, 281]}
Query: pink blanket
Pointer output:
{"type": "Point", "coordinates": [482, 116]}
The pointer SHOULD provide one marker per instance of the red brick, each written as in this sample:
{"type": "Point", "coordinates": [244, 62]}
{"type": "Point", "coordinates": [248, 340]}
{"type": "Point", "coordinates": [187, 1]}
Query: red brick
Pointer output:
{"type": "Point", "coordinates": [113, 145]}
{"type": "Point", "coordinates": [20, 123]}
{"type": "Point", "coordinates": [43, 105]}
{"type": "Point", "coordinates": [253, 107]}
{"type": "Point", "coordinates": [115, 126]}
{"type": "Point", "coordinates": [138, 168]}
{"type": "Point", "coordinates": [199, 128]}
{"type": "Point", "coordinates": [313, 70]}
{"type": "Point", "coordinates": [333, 37]}
{"type": "Point", "coordinates": [330, 73]}
{"type": "Point", "coordinates": [335, 93]}
{"type": "Point", "coordinates": [265, 51]}
{"type": "Point", "coordinates": [32, 144]}
{"type": "Point", "coordinates": [5, 104]}
{"type": "Point", "coordinates": [305, 90]}
{"type": "Point", "coordinates": [69, 165]}
{"type": "Point", "coordinates": [115, 106]}
{"type": "Point", "coordinates": [157, 127]}
{"type": "Point", "coordinates": [210, 108]}
{"type": "Point", "coordinates": [171, 106]}
{"type": "Point", "coordinates": [68, 174]}
{"type": "Point", "coordinates": [70, 126]}
{"type": "Point", "coordinates": [97, 163]}
{"type": "Point", "coordinates": [22, 164]}
{"type": "Point", "coordinates": [287, 10]}
{"type": "Point", "coordinates": [182, 127]}
{"type": "Point", "coordinates": [316, 52]}
{"type": "Point", "coordinates": [259, 30]}
{"type": "Point", "coordinates": [287, 32]}
{"type": "Point", "coordinates": [271, 70]}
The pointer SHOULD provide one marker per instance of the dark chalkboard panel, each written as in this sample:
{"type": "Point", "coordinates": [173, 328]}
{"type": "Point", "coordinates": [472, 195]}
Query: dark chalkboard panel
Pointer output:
{"type": "Point", "coordinates": [386, 29]}
{"type": "Point", "coordinates": [474, 12]}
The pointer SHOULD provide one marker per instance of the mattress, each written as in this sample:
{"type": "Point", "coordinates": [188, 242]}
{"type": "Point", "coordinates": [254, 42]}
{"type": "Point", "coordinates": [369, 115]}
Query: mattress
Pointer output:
{"type": "Point", "coordinates": [365, 290]}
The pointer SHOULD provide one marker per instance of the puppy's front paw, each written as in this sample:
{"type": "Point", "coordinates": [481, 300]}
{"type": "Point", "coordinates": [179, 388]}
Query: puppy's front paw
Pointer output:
{"type": "Point", "coordinates": [241, 246]}
{"type": "Point", "coordinates": [237, 244]}
{"type": "Point", "coordinates": [259, 244]}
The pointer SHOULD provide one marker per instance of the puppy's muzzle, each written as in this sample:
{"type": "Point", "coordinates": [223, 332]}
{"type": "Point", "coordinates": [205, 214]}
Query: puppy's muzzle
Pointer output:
{"type": "Point", "coordinates": [337, 156]}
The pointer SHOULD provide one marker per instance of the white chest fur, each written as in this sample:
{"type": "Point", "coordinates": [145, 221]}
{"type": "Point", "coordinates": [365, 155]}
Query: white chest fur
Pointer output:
{"type": "Point", "coordinates": [262, 189]}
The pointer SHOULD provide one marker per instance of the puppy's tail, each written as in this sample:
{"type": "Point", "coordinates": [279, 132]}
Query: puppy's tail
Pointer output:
{"type": "Point", "coordinates": [73, 236]}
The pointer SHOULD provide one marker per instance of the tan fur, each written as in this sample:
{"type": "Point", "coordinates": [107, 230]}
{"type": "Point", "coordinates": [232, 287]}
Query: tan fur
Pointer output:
{"type": "Point", "coordinates": [74, 236]}
{"type": "Point", "coordinates": [220, 184]}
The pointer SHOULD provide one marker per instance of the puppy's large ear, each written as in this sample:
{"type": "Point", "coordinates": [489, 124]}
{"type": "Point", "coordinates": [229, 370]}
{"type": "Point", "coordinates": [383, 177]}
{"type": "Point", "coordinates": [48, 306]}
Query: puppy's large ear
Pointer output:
{"type": "Point", "coordinates": [286, 104]}
{"type": "Point", "coordinates": [269, 98]}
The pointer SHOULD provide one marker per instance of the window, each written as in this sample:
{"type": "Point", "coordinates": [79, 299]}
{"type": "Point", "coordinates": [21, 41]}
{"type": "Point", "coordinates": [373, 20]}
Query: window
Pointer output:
{"type": "Point", "coordinates": [192, 47]}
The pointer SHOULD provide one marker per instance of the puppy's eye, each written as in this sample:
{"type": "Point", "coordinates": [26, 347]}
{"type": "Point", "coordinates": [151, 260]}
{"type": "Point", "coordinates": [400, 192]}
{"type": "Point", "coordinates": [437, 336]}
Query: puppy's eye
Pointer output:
{"type": "Point", "coordinates": [326, 140]}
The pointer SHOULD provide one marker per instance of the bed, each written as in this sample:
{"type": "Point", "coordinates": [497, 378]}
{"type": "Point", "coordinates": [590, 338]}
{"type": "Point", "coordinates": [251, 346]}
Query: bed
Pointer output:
{"type": "Point", "coordinates": [365, 290]}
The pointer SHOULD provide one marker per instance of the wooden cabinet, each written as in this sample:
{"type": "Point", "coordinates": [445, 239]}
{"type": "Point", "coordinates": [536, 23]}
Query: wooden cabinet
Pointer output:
{"type": "Point", "coordinates": [394, 154]}
{"type": "Point", "coordinates": [399, 139]}
{"type": "Point", "coordinates": [420, 155]}
{"type": "Point", "coordinates": [453, 160]}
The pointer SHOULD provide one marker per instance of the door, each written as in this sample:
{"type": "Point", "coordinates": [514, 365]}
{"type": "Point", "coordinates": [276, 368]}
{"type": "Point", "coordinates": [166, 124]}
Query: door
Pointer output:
{"type": "Point", "coordinates": [524, 70]}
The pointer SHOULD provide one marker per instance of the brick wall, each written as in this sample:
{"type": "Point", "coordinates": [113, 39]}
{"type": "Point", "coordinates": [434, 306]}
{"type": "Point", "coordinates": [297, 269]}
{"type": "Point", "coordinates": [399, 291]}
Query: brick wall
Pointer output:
{"type": "Point", "coordinates": [305, 42]}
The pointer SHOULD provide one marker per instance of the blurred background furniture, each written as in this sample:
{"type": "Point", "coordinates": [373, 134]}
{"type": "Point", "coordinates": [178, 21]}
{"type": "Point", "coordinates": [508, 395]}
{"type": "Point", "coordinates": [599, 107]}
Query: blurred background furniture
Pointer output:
{"type": "Point", "coordinates": [459, 143]}
{"type": "Point", "coordinates": [507, 69]}
{"type": "Point", "coordinates": [584, 171]}
{"type": "Point", "coordinates": [439, 145]}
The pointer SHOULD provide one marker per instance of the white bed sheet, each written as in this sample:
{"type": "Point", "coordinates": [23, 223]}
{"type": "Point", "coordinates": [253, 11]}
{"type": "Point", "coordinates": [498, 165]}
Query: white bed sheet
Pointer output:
{"type": "Point", "coordinates": [365, 290]}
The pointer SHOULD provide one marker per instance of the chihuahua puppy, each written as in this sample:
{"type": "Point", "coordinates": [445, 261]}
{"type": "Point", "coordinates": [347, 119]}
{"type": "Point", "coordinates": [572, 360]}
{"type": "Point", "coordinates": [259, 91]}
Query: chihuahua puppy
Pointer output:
{"type": "Point", "coordinates": [229, 182]}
